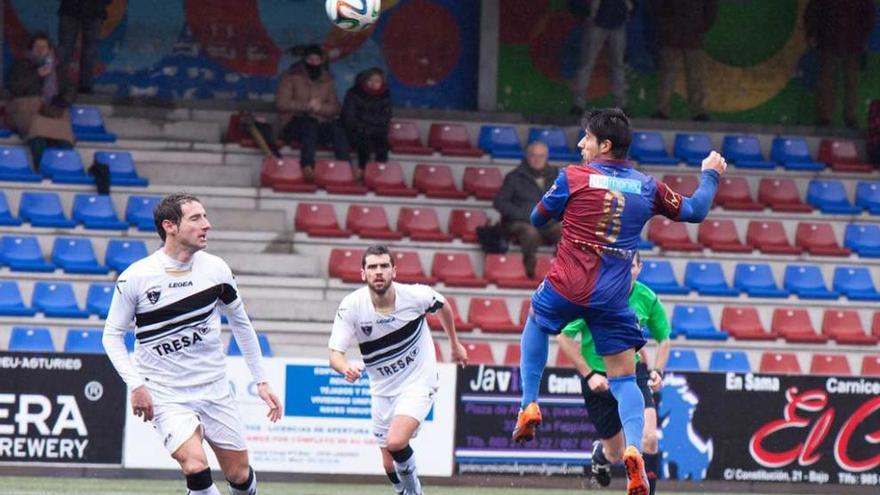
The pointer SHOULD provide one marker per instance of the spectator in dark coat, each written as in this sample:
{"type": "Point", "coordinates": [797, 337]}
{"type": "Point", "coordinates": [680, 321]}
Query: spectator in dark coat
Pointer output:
{"type": "Point", "coordinates": [83, 17]}
{"type": "Point", "coordinates": [366, 115]}
{"type": "Point", "coordinates": [521, 190]}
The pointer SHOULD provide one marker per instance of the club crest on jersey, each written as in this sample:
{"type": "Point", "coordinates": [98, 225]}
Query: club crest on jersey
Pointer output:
{"type": "Point", "coordinates": [153, 294]}
{"type": "Point", "coordinates": [367, 329]}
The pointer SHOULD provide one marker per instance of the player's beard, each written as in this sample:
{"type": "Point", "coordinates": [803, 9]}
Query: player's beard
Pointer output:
{"type": "Point", "coordinates": [380, 292]}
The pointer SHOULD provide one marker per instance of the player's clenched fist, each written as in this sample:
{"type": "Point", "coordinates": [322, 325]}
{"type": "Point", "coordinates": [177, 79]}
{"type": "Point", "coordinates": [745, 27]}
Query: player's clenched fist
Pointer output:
{"type": "Point", "coordinates": [352, 373]}
{"type": "Point", "coordinates": [715, 162]}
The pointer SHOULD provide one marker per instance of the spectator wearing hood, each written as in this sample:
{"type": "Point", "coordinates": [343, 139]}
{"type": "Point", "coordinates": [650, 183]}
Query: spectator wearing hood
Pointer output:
{"type": "Point", "coordinates": [366, 115]}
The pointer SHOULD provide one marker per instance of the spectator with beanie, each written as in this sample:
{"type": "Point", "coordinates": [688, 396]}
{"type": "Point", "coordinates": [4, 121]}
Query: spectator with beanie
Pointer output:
{"type": "Point", "coordinates": [80, 17]}
{"type": "Point", "coordinates": [366, 115]}
{"type": "Point", "coordinates": [309, 110]}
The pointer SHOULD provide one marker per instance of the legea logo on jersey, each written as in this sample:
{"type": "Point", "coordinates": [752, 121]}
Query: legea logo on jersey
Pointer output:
{"type": "Point", "coordinates": [178, 285]}
{"type": "Point", "coordinates": [153, 294]}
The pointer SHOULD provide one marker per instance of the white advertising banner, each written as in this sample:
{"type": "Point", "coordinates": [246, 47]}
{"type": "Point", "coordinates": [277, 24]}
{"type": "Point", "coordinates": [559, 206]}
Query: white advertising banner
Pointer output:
{"type": "Point", "coordinates": [326, 426]}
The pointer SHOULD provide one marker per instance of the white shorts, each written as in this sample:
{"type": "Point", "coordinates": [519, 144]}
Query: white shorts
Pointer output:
{"type": "Point", "coordinates": [178, 412]}
{"type": "Point", "coordinates": [414, 401]}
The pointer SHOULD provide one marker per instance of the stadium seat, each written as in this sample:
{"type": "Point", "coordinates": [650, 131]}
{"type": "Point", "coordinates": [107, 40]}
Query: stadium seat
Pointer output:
{"type": "Point", "coordinates": [121, 253]}
{"type": "Point", "coordinates": [265, 348]}
{"type": "Point", "coordinates": [501, 142]}
{"type": "Point", "coordinates": [524, 309]}
{"type": "Point", "coordinates": [463, 223]}
{"type": "Point", "coordinates": [76, 255]}
{"type": "Point", "coordinates": [455, 270]}
{"type": "Point", "coordinates": [660, 277]}
{"type": "Point", "coordinates": [806, 282]}
{"type": "Point", "coordinates": [23, 254]}
{"type": "Point", "coordinates": [435, 181]}
{"type": "Point", "coordinates": [285, 175]}
{"type": "Point", "coordinates": [43, 209]}
{"type": "Point", "coordinates": [15, 165]}
{"type": "Point", "coordinates": [460, 324]}
{"type": "Point", "coordinates": [756, 280]}
{"type": "Point", "coordinates": [490, 315]}
{"type": "Point", "coordinates": [864, 239]}
{"type": "Point", "coordinates": [721, 236]}
{"type": "Point", "coordinates": [236, 133]}
{"type": "Point", "coordinates": [842, 155]}
{"type": "Point", "coordinates": [409, 268]}
{"type": "Point", "coordinates": [845, 327]}
{"type": "Point", "coordinates": [11, 303]}
{"type": "Point", "coordinates": [744, 151]}
{"type": "Point", "coordinates": [64, 166]}
{"type": "Point", "coordinates": [6, 216]}
{"type": "Point", "coordinates": [682, 184]}
{"type": "Point", "coordinates": [88, 125]}
{"type": "Point", "coordinates": [479, 353]}
{"type": "Point", "coordinates": [855, 283]}
{"type": "Point", "coordinates": [386, 179]}
{"type": "Point", "coordinates": [875, 325]}
{"type": "Point", "coordinates": [98, 299]}
{"type": "Point", "coordinates": [507, 271]}
{"type": "Point", "coordinates": [734, 194]}
{"type": "Point", "coordinates": [319, 220]}
{"type": "Point", "coordinates": [370, 222]}
{"type": "Point", "coordinates": [780, 363]}
{"type": "Point", "coordinates": [337, 177]}
{"type": "Point", "coordinates": [84, 341]}
{"type": "Point", "coordinates": [671, 236]}
{"type": "Point", "coordinates": [871, 366]}
{"type": "Point", "coordinates": [830, 364]}
{"type": "Point", "coordinates": [868, 196]}
{"type": "Point", "coordinates": [557, 145]}
{"type": "Point", "coordinates": [692, 148]}
{"type": "Point", "coordinates": [542, 266]}
{"type": "Point", "coordinates": [769, 237]}
{"type": "Point", "coordinates": [482, 182]}
{"type": "Point", "coordinates": [512, 354]}
{"type": "Point", "coordinates": [56, 300]}
{"type": "Point", "coordinates": [707, 278]}
{"type": "Point", "coordinates": [682, 360]}
{"type": "Point", "coordinates": [743, 323]}
{"type": "Point", "coordinates": [96, 211]}
{"type": "Point", "coordinates": [795, 326]}
{"type": "Point", "coordinates": [794, 154]}
{"type": "Point", "coordinates": [139, 211]}
{"type": "Point", "coordinates": [695, 322]}
{"type": "Point", "coordinates": [452, 140]}
{"type": "Point", "coordinates": [781, 194]}
{"type": "Point", "coordinates": [346, 264]}
{"type": "Point", "coordinates": [122, 168]}
{"type": "Point", "coordinates": [829, 196]}
{"type": "Point", "coordinates": [421, 224]}
{"type": "Point", "coordinates": [31, 339]}
{"type": "Point", "coordinates": [729, 361]}
{"type": "Point", "coordinates": [648, 148]}
{"type": "Point", "coordinates": [404, 137]}
{"type": "Point", "coordinates": [818, 239]}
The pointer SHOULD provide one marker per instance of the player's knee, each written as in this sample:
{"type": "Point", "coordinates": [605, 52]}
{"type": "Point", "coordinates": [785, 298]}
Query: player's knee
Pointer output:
{"type": "Point", "coordinates": [397, 443]}
{"type": "Point", "coordinates": [193, 465]}
{"type": "Point", "coordinates": [239, 474]}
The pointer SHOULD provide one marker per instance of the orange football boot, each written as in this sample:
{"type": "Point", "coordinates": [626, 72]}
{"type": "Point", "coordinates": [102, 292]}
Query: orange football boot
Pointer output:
{"type": "Point", "coordinates": [526, 423]}
{"type": "Point", "coordinates": [635, 471]}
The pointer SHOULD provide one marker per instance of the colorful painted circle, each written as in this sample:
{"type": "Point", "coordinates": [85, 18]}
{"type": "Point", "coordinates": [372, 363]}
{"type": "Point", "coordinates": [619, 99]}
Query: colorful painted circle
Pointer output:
{"type": "Point", "coordinates": [422, 43]}
{"type": "Point", "coordinates": [770, 26]}
{"type": "Point", "coordinates": [551, 40]}
{"type": "Point", "coordinates": [520, 22]}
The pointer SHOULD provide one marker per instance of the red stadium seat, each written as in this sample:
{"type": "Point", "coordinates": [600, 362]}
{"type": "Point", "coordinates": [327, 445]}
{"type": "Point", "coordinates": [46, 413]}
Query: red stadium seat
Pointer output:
{"type": "Point", "coordinates": [460, 325]}
{"type": "Point", "coordinates": [507, 271]}
{"type": "Point", "coordinates": [829, 364]}
{"type": "Point", "coordinates": [524, 312]}
{"type": "Point", "coordinates": [456, 270]}
{"type": "Point", "coordinates": [845, 327]}
{"type": "Point", "coordinates": [819, 239]}
{"type": "Point", "coordinates": [337, 177]}
{"type": "Point", "coordinates": [452, 140]}
{"type": "Point", "coordinates": [409, 268]}
{"type": "Point", "coordinates": [671, 236]}
{"type": "Point", "coordinates": [542, 266]}
{"type": "Point", "coordinates": [421, 224]}
{"type": "Point", "coordinates": [795, 326]}
{"type": "Point", "coordinates": [783, 363]}
{"type": "Point", "coordinates": [734, 194]}
{"type": "Point", "coordinates": [562, 360]}
{"type": "Point", "coordinates": [482, 182]}
{"type": "Point", "coordinates": [682, 184]}
{"type": "Point", "coordinates": [781, 195]}
{"type": "Point", "coordinates": [743, 323]}
{"type": "Point", "coordinates": [284, 174]}
{"type": "Point", "coordinates": [319, 220]}
{"type": "Point", "coordinates": [842, 155]}
{"type": "Point", "coordinates": [721, 235]}
{"type": "Point", "coordinates": [404, 137]}
{"type": "Point", "coordinates": [386, 179]}
{"type": "Point", "coordinates": [235, 133]}
{"type": "Point", "coordinates": [875, 325]}
{"type": "Point", "coordinates": [435, 181]}
{"type": "Point", "coordinates": [512, 354]}
{"type": "Point", "coordinates": [871, 365]}
{"type": "Point", "coordinates": [479, 353]}
{"type": "Point", "coordinates": [491, 315]}
{"type": "Point", "coordinates": [463, 223]}
{"type": "Point", "coordinates": [346, 264]}
{"type": "Point", "coordinates": [370, 222]}
{"type": "Point", "coordinates": [769, 237]}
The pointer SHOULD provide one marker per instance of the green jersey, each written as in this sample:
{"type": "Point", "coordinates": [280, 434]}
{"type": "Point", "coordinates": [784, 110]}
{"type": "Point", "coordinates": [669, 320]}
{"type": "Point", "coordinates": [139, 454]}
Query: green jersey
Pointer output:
{"type": "Point", "coordinates": [646, 305]}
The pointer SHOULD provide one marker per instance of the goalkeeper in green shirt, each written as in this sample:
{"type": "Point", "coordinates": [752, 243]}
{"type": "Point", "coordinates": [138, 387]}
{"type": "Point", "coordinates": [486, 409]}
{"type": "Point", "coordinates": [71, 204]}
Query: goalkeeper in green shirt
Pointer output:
{"type": "Point", "coordinates": [601, 405]}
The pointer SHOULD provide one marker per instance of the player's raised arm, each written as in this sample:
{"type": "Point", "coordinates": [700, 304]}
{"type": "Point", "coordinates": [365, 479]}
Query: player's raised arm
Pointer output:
{"type": "Point", "coordinates": [447, 321]}
{"type": "Point", "coordinates": [553, 203]}
{"type": "Point", "coordinates": [695, 208]}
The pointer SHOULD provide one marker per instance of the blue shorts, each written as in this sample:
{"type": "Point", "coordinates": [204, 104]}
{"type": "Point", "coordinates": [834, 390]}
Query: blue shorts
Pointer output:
{"type": "Point", "coordinates": [614, 330]}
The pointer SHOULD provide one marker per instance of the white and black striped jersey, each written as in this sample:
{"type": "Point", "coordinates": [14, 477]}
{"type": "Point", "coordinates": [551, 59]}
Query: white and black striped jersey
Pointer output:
{"type": "Point", "coordinates": [397, 348]}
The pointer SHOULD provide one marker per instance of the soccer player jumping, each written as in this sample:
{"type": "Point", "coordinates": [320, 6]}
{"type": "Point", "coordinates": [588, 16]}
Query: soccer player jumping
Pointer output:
{"type": "Point", "coordinates": [603, 205]}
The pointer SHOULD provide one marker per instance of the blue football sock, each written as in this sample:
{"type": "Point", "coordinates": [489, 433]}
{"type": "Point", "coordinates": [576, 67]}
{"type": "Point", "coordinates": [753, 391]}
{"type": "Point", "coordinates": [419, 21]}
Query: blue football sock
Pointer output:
{"type": "Point", "coordinates": [630, 408]}
{"type": "Point", "coordinates": [533, 358]}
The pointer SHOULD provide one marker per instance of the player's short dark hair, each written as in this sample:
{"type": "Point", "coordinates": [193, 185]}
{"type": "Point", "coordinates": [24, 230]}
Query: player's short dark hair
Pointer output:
{"type": "Point", "coordinates": [376, 250]}
{"type": "Point", "coordinates": [609, 124]}
{"type": "Point", "coordinates": [39, 35]}
{"type": "Point", "coordinates": [170, 209]}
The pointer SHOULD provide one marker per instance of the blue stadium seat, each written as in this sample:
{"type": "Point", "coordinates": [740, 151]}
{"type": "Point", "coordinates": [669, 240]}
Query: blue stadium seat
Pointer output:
{"type": "Point", "coordinates": [129, 340]}
{"type": "Point", "coordinates": [11, 303]}
{"type": "Point", "coordinates": [645, 244]}
{"type": "Point", "coordinates": [76, 255]}
{"type": "Point", "coordinates": [98, 299]}
{"type": "Point", "coordinates": [15, 165]}
{"type": "Point", "coordinates": [64, 167]}
{"type": "Point", "coordinates": [501, 141]}
{"type": "Point", "coordinates": [5, 133]}
{"type": "Point", "coordinates": [724, 361]}
{"type": "Point", "coordinates": [863, 238]}
{"type": "Point", "coordinates": [84, 341]}
{"type": "Point", "coordinates": [96, 211]}
{"type": "Point", "coordinates": [855, 283]}
{"type": "Point", "coordinates": [43, 209]}
{"type": "Point", "coordinates": [830, 197]}
{"type": "Point", "coordinates": [121, 253]}
{"type": "Point", "coordinates": [692, 148]}
{"type": "Point", "coordinates": [57, 300]}
{"type": "Point", "coordinates": [649, 148]}
{"type": "Point", "coordinates": [554, 138]}
{"type": "Point", "coordinates": [660, 277]}
{"type": "Point", "coordinates": [868, 196]}
{"type": "Point", "coordinates": [794, 154]}
{"type": "Point", "coordinates": [31, 339]}
{"type": "Point", "coordinates": [23, 254]}
{"type": "Point", "coordinates": [756, 280]}
{"type": "Point", "coordinates": [695, 322]}
{"type": "Point", "coordinates": [807, 282]}
{"type": "Point", "coordinates": [88, 125]}
{"type": "Point", "coordinates": [266, 349]}
{"type": "Point", "coordinates": [707, 278]}
{"type": "Point", "coordinates": [122, 168]}
{"type": "Point", "coordinates": [744, 151]}
{"type": "Point", "coordinates": [139, 211]}
{"type": "Point", "coordinates": [6, 216]}
{"type": "Point", "coordinates": [682, 360]}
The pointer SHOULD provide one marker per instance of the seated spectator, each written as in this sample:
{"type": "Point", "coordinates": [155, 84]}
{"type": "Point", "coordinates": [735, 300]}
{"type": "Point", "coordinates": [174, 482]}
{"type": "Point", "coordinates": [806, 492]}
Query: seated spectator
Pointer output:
{"type": "Point", "coordinates": [36, 110]}
{"type": "Point", "coordinates": [309, 110]}
{"type": "Point", "coordinates": [521, 190]}
{"type": "Point", "coordinates": [366, 115]}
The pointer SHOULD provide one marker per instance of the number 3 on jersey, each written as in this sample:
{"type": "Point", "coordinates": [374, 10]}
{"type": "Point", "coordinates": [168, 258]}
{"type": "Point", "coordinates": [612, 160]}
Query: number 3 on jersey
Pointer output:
{"type": "Point", "coordinates": [608, 227]}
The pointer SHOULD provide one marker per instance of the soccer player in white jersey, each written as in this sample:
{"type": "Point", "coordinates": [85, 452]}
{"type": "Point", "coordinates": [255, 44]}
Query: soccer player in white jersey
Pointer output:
{"type": "Point", "coordinates": [178, 378]}
{"type": "Point", "coordinates": [387, 320]}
